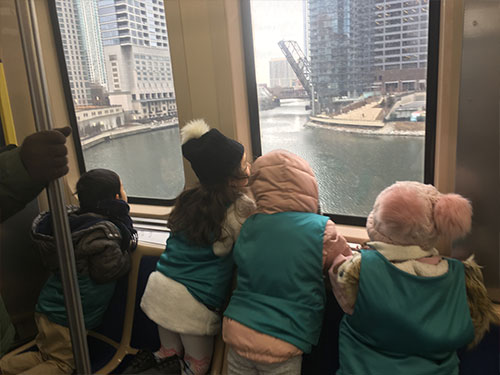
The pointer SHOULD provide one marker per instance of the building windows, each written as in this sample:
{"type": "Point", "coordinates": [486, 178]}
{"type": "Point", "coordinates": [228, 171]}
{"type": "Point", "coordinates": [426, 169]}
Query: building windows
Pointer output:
{"type": "Point", "coordinates": [116, 103]}
{"type": "Point", "coordinates": [349, 114]}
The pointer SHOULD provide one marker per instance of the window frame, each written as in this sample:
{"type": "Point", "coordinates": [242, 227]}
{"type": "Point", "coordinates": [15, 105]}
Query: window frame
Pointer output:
{"type": "Point", "coordinates": [56, 31]}
{"type": "Point", "coordinates": [431, 96]}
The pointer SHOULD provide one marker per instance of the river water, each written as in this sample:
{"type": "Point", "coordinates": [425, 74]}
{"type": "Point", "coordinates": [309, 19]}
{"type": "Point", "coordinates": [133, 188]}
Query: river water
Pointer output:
{"type": "Point", "coordinates": [351, 168]}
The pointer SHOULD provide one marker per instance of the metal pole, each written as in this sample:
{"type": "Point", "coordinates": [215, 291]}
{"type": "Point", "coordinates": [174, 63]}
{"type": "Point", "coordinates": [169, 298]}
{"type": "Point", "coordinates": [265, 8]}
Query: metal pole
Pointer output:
{"type": "Point", "coordinates": [43, 119]}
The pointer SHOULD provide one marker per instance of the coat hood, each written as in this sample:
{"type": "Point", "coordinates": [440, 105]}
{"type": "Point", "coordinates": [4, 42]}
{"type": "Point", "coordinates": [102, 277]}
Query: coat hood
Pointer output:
{"type": "Point", "coordinates": [282, 181]}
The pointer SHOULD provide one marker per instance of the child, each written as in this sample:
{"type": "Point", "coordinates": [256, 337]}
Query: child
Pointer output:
{"type": "Point", "coordinates": [186, 293]}
{"type": "Point", "coordinates": [275, 313]}
{"type": "Point", "coordinates": [102, 236]}
{"type": "Point", "coordinates": [407, 308]}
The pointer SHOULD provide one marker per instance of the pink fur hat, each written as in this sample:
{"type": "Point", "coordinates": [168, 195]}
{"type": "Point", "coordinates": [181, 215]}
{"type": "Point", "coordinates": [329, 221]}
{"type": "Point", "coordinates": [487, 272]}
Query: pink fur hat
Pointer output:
{"type": "Point", "coordinates": [411, 213]}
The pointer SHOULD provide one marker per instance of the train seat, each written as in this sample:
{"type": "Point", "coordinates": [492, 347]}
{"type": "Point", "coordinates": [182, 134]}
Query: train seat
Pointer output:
{"type": "Point", "coordinates": [125, 327]}
{"type": "Point", "coordinates": [126, 332]}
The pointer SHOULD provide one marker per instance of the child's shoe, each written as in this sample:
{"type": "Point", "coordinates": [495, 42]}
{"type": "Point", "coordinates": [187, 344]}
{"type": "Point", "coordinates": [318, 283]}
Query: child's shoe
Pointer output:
{"type": "Point", "coordinates": [166, 366]}
{"type": "Point", "coordinates": [143, 360]}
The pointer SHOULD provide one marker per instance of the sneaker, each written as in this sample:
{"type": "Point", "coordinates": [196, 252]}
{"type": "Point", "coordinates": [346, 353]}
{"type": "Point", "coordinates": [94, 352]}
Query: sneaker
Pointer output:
{"type": "Point", "coordinates": [167, 366]}
{"type": "Point", "coordinates": [143, 360]}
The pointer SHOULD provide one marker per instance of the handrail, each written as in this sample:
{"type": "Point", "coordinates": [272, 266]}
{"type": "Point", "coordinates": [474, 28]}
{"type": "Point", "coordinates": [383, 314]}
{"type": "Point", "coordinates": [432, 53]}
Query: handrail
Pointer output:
{"type": "Point", "coordinates": [43, 120]}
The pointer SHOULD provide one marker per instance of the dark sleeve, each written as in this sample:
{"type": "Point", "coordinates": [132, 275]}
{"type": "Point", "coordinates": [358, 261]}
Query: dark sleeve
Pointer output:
{"type": "Point", "coordinates": [106, 260]}
{"type": "Point", "coordinates": [16, 187]}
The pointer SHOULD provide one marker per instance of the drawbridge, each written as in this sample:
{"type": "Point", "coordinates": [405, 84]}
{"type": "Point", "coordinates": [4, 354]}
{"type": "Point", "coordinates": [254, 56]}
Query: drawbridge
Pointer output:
{"type": "Point", "coordinates": [298, 62]}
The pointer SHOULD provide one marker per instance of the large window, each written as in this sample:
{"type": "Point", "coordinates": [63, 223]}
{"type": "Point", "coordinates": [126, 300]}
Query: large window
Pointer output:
{"type": "Point", "coordinates": [338, 84]}
{"type": "Point", "coordinates": [120, 88]}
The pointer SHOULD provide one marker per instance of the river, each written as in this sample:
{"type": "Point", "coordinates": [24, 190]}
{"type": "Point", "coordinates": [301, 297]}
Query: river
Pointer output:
{"type": "Point", "coordinates": [351, 168]}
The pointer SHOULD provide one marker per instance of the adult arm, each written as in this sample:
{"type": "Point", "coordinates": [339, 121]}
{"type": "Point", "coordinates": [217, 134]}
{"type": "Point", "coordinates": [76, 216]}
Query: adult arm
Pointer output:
{"type": "Point", "coordinates": [17, 188]}
{"type": "Point", "coordinates": [25, 171]}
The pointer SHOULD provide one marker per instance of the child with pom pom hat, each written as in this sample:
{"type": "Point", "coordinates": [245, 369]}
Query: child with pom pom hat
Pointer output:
{"type": "Point", "coordinates": [407, 308]}
{"type": "Point", "coordinates": [187, 292]}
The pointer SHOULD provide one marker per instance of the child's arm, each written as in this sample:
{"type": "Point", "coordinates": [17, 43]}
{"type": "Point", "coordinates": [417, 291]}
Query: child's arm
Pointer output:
{"type": "Point", "coordinates": [344, 278]}
{"type": "Point", "coordinates": [335, 247]}
{"type": "Point", "coordinates": [236, 215]}
{"type": "Point", "coordinates": [482, 311]}
{"type": "Point", "coordinates": [107, 262]}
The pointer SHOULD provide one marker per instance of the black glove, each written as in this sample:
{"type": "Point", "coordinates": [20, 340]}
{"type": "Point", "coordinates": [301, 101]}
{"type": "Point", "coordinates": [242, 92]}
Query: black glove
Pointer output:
{"type": "Point", "coordinates": [44, 154]}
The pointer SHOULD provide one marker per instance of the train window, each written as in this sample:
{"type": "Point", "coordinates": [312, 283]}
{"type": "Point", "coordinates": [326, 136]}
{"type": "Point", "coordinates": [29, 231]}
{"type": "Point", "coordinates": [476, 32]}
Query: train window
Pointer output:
{"type": "Point", "coordinates": [326, 83]}
{"type": "Point", "coordinates": [124, 107]}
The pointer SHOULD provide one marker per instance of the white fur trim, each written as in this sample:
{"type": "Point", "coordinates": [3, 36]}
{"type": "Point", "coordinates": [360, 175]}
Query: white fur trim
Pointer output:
{"type": "Point", "coordinates": [194, 129]}
{"type": "Point", "coordinates": [236, 215]}
{"type": "Point", "coordinates": [170, 305]}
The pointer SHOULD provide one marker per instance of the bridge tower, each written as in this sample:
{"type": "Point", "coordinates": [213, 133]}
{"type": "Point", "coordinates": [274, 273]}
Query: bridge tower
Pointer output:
{"type": "Point", "coordinates": [299, 63]}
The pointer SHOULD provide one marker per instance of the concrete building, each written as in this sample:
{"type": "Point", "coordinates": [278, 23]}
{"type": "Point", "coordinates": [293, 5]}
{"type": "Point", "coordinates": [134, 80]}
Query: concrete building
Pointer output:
{"type": "Point", "coordinates": [70, 24]}
{"type": "Point", "coordinates": [92, 42]}
{"type": "Point", "coordinates": [92, 120]}
{"type": "Point", "coordinates": [281, 74]}
{"type": "Point", "coordinates": [137, 57]}
{"type": "Point", "coordinates": [400, 44]}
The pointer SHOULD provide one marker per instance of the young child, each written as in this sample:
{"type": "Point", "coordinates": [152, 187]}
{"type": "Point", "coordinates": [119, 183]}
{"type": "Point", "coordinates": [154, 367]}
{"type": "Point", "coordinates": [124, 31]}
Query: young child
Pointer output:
{"type": "Point", "coordinates": [102, 236]}
{"type": "Point", "coordinates": [186, 293]}
{"type": "Point", "coordinates": [275, 313]}
{"type": "Point", "coordinates": [407, 308]}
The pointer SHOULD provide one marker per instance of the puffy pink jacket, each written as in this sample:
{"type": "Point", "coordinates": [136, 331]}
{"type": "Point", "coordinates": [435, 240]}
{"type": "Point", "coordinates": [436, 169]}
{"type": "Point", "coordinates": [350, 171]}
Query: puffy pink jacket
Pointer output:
{"type": "Point", "coordinates": [281, 182]}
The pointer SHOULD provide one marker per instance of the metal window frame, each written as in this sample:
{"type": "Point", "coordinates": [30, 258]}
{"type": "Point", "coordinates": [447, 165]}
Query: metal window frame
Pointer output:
{"type": "Point", "coordinates": [71, 110]}
{"type": "Point", "coordinates": [431, 96]}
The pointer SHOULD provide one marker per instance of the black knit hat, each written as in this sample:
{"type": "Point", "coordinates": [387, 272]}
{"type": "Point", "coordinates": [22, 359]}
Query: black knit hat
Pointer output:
{"type": "Point", "coordinates": [212, 155]}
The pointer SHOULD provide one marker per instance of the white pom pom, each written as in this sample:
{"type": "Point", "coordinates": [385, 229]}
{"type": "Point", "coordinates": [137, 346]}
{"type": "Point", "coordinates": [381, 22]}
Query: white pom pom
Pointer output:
{"type": "Point", "coordinates": [194, 129]}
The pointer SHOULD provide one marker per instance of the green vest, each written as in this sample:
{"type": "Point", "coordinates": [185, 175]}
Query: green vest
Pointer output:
{"type": "Point", "coordinates": [95, 300]}
{"type": "Point", "coordinates": [206, 276]}
{"type": "Point", "coordinates": [405, 324]}
{"type": "Point", "coordinates": [280, 290]}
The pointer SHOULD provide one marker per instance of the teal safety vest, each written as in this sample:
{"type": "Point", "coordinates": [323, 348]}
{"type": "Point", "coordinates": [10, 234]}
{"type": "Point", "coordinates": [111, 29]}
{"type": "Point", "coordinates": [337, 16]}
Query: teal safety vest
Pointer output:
{"type": "Point", "coordinates": [405, 324]}
{"type": "Point", "coordinates": [280, 290]}
{"type": "Point", "coordinates": [206, 276]}
{"type": "Point", "coordinates": [95, 300]}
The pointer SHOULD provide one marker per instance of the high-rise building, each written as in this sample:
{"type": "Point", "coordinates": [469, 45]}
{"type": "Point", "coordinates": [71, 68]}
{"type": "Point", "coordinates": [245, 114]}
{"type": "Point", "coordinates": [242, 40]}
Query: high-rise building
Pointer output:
{"type": "Point", "coordinates": [92, 42]}
{"type": "Point", "coordinates": [358, 46]}
{"type": "Point", "coordinates": [281, 74]}
{"type": "Point", "coordinates": [339, 48]}
{"type": "Point", "coordinates": [70, 23]}
{"type": "Point", "coordinates": [306, 27]}
{"type": "Point", "coordinates": [134, 34]}
{"type": "Point", "coordinates": [400, 44]}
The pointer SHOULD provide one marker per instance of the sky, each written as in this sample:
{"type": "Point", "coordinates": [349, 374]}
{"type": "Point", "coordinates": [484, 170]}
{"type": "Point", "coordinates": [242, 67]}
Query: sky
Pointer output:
{"type": "Point", "coordinates": [272, 21]}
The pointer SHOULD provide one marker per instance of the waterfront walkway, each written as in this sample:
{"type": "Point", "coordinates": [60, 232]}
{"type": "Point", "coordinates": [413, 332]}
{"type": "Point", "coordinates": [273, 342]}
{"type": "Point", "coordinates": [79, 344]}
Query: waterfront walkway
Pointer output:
{"type": "Point", "coordinates": [125, 131]}
{"type": "Point", "coordinates": [346, 122]}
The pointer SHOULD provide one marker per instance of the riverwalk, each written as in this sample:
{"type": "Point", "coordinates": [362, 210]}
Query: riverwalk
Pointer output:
{"type": "Point", "coordinates": [125, 132]}
{"type": "Point", "coordinates": [412, 129]}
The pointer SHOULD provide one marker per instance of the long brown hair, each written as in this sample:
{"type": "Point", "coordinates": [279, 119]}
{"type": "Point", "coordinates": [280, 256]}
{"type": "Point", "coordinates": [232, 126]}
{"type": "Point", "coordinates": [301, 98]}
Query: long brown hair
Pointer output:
{"type": "Point", "coordinates": [199, 212]}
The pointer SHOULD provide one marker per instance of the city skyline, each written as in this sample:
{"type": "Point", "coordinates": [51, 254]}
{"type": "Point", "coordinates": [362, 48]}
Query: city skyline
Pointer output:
{"type": "Point", "coordinates": [118, 49]}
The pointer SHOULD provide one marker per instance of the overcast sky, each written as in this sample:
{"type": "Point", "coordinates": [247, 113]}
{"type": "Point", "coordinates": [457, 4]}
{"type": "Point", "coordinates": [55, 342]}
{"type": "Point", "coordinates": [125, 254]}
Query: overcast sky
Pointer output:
{"type": "Point", "coordinates": [272, 21]}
